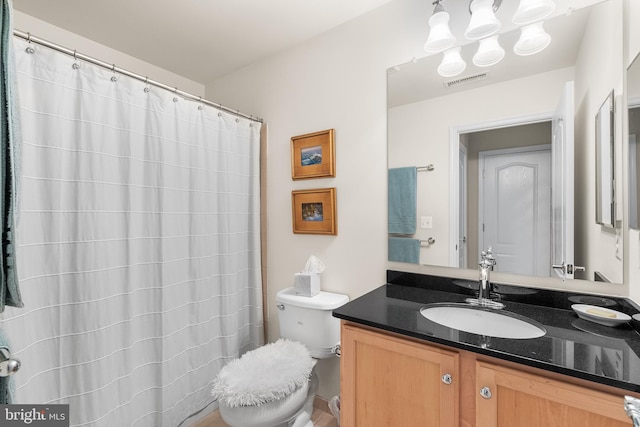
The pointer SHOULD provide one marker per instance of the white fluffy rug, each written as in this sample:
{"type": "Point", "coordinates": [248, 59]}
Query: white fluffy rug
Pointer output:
{"type": "Point", "coordinates": [263, 375]}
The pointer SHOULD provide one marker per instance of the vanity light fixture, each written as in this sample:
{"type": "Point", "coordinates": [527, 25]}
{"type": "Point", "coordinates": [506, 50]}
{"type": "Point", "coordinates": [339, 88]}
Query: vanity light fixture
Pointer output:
{"type": "Point", "coordinates": [483, 21]}
{"type": "Point", "coordinates": [533, 39]}
{"type": "Point", "coordinates": [489, 52]}
{"type": "Point", "coordinates": [484, 27]}
{"type": "Point", "coordinates": [452, 63]}
{"type": "Point", "coordinates": [530, 11]}
{"type": "Point", "coordinates": [440, 36]}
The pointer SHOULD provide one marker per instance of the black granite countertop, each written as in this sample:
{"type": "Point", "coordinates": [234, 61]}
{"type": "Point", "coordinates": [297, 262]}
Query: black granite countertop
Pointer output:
{"type": "Point", "coordinates": [572, 346]}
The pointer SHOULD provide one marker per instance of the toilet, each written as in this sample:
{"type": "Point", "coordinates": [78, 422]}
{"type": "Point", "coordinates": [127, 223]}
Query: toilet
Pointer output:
{"type": "Point", "coordinates": [275, 385]}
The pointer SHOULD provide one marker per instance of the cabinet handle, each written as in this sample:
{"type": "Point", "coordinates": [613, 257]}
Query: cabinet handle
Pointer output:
{"type": "Point", "coordinates": [485, 392]}
{"type": "Point", "coordinates": [446, 378]}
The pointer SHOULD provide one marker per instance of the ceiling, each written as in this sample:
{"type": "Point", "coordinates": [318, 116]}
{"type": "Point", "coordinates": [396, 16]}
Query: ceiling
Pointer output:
{"type": "Point", "coordinates": [198, 39]}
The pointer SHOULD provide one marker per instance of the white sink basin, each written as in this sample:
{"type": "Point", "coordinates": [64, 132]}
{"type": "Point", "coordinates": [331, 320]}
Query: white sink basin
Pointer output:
{"type": "Point", "coordinates": [483, 321]}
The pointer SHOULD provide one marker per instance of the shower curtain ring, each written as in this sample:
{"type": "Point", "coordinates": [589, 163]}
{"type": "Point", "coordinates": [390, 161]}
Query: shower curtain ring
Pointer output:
{"type": "Point", "coordinates": [146, 83]}
{"type": "Point", "coordinates": [200, 107]}
{"type": "Point", "coordinates": [29, 48]}
{"type": "Point", "coordinates": [113, 69]}
{"type": "Point", "coordinates": [75, 65]}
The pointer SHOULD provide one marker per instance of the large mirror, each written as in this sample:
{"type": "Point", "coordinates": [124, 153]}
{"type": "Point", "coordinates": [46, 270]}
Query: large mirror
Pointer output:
{"type": "Point", "coordinates": [504, 156]}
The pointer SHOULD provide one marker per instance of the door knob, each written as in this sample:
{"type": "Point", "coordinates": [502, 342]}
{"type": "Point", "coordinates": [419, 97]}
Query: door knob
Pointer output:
{"type": "Point", "coordinates": [568, 268]}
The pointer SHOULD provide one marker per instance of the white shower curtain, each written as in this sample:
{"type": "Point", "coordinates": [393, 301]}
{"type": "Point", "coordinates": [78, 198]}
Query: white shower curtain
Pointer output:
{"type": "Point", "coordinates": [139, 252]}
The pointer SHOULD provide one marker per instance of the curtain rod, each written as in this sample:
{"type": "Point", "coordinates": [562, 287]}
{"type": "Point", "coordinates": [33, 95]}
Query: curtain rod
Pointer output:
{"type": "Point", "coordinates": [28, 37]}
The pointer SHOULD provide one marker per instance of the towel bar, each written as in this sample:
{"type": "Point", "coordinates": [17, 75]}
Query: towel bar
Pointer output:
{"type": "Point", "coordinates": [8, 366]}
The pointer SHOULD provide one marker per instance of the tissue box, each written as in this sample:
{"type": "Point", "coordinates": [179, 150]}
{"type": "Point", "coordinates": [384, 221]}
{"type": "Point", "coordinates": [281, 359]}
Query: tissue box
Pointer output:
{"type": "Point", "coordinates": [305, 284]}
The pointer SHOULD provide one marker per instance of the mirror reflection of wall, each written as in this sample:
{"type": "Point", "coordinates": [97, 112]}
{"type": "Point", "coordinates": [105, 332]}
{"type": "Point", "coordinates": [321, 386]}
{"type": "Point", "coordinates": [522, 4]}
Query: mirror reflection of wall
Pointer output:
{"type": "Point", "coordinates": [634, 163]}
{"type": "Point", "coordinates": [423, 117]}
{"type": "Point", "coordinates": [633, 98]}
{"type": "Point", "coordinates": [605, 164]}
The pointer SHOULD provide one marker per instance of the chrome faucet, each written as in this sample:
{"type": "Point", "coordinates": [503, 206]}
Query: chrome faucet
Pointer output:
{"type": "Point", "coordinates": [632, 407]}
{"type": "Point", "coordinates": [487, 261]}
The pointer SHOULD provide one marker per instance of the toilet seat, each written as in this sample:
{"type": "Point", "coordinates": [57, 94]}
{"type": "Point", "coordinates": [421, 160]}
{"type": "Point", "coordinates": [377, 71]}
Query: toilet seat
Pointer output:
{"type": "Point", "coordinates": [268, 414]}
{"type": "Point", "coordinates": [268, 373]}
{"type": "Point", "coordinates": [270, 386]}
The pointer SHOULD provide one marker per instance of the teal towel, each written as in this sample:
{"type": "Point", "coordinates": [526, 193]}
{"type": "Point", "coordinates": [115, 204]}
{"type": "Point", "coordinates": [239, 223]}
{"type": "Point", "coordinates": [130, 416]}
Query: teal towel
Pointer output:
{"type": "Point", "coordinates": [404, 249]}
{"type": "Point", "coordinates": [9, 159]}
{"type": "Point", "coordinates": [402, 200]}
{"type": "Point", "coordinates": [7, 387]}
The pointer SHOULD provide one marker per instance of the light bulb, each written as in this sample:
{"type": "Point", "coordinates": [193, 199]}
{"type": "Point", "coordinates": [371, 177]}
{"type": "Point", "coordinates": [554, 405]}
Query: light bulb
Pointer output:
{"type": "Point", "coordinates": [489, 52]}
{"type": "Point", "coordinates": [533, 10]}
{"type": "Point", "coordinates": [483, 21]}
{"type": "Point", "coordinates": [440, 36]}
{"type": "Point", "coordinates": [533, 39]}
{"type": "Point", "coordinates": [452, 63]}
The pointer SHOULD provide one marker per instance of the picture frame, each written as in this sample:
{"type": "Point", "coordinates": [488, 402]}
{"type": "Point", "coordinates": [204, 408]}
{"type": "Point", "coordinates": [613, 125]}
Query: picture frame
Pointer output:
{"type": "Point", "coordinates": [313, 155]}
{"type": "Point", "coordinates": [314, 211]}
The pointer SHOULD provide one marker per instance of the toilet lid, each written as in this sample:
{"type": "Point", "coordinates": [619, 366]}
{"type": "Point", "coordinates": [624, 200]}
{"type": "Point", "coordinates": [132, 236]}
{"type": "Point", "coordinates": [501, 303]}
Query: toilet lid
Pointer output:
{"type": "Point", "coordinates": [263, 375]}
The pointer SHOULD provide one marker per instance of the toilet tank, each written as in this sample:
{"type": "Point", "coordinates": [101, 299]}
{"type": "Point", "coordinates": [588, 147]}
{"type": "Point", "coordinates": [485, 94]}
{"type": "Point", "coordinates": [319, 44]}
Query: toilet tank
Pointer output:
{"type": "Point", "coordinates": [309, 320]}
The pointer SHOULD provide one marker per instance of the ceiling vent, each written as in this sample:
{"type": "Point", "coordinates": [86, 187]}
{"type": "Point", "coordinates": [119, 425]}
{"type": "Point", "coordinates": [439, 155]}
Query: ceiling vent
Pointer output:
{"type": "Point", "coordinates": [465, 80]}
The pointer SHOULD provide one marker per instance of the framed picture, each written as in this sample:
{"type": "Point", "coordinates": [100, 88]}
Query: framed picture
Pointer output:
{"type": "Point", "coordinates": [313, 155]}
{"type": "Point", "coordinates": [314, 211]}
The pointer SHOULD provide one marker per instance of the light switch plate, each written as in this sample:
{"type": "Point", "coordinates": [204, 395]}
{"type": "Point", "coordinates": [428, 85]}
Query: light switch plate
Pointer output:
{"type": "Point", "coordinates": [426, 222]}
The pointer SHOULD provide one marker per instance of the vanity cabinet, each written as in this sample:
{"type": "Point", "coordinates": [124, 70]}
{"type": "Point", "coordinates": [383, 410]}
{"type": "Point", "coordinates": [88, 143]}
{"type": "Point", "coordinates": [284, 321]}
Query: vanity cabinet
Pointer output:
{"type": "Point", "coordinates": [391, 380]}
{"type": "Point", "coordinates": [511, 398]}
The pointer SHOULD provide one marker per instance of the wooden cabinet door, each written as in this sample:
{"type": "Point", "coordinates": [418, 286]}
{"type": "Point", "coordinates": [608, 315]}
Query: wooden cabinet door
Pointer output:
{"type": "Point", "coordinates": [520, 399]}
{"type": "Point", "coordinates": [387, 381]}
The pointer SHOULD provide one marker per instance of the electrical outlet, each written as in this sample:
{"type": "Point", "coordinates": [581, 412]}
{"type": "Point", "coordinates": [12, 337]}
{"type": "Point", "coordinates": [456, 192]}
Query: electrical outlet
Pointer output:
{"type": "Point", "coordinates": [426, 222]}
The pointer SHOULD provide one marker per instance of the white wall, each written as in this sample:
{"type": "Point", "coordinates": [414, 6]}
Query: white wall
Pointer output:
{"type": "Point", "coordinates": [599, 70]}
{"type": "Point", "coordinates": [337, 80]}
{"type": "Point", "coordinates": [57, 35]}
